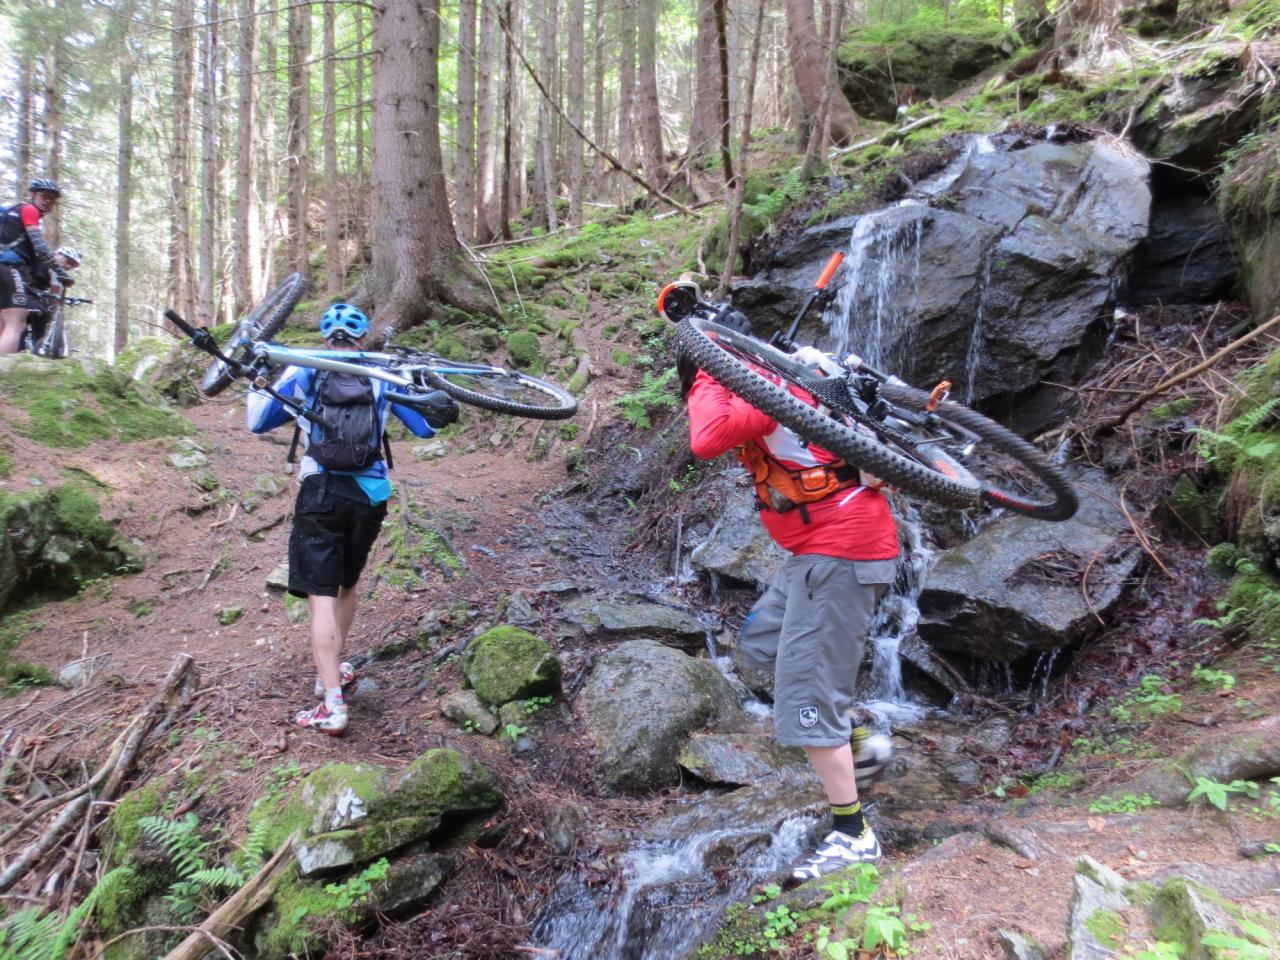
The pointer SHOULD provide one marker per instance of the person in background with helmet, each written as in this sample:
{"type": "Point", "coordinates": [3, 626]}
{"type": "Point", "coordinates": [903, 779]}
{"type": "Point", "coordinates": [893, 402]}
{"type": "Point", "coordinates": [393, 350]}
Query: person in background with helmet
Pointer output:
{"type": "Point", "coordinates": [22, 251]}
{"type": "Point", "coordinates": [338, 512]}
{"type": "Point", "coordinates": [42, 278]}
{"type": "Point", "coordinates": [808, 629]}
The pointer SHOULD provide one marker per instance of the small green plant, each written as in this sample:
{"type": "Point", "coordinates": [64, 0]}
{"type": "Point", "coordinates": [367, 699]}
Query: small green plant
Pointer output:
{"type": "Point", "coordinates": [768, 892]}
{"type": "Point", "coordinates": [533, 704]}
{"type": "Point", "coordinates": [1241, 949]}
{"type": "Point", "coordinates": [469, 725]}
{"type": "Point", "coordinates": [1219, 794]}
{"type": "Point", "coordinates": [356, 889]}
{"type": "Point", "coordinates": [1148, 699]}
{"type": "Point", "coordinates": [883, 929]}
{"type": "Point", "coordinates": [685, 481]}
{"type": "Point", "coordinates": [32, 935]}
{"type": "Point", "coordinates": [1128, 803]}
{"type": "Point", "coordinates": [513, 731]}
{"type": "Point", "coordinates": [1217, 679]}
{"type": "Point", "coordinates": [841, 949]}
{"type": "Point", "coordinates": [653, 395]}
{"type": "Point", "coordinates": [779, 923]}
{"type": "Point", "coordinates": [1161, 950]}
{"type": "Point", "coordinates": [866, 878]}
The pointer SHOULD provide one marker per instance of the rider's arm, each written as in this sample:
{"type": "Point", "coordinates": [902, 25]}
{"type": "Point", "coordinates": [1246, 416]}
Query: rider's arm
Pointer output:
{"type": "Point", "coordinates": [265, 412]}
{"type": "Point", "coordinates": [412, 419]}
{"type": "Point", "coordinates": [720, 421]}
{"type": "Point", "coordinates": [31, 223]}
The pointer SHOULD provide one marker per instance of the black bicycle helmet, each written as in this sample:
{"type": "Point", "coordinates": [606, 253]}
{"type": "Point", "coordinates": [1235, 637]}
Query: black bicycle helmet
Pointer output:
{"type": "Point", "coordinates": [44, 185]}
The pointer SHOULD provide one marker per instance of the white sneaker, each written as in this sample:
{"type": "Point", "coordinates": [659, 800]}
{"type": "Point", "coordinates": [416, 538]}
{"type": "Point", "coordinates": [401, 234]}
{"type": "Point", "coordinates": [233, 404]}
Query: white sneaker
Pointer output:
{"type": "Point", "coordinates": [330, 720]}
{"type": "Point", "coordinates": [871, 754]}
{"type": "Point", "coordinates": [346, 673]}
{"type": "Point", "coordinates": [836, 852]}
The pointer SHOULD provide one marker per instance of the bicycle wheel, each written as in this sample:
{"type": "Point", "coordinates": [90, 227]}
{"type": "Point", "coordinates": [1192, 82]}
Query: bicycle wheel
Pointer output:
{"type": "Point", "coordinates": [260, 323]}
{"type": "Point", "coordinates": [920, 465]}
{"type": "Point", "coordinates": [1028, 483]}
{"type": "Point", "coordinates": [497, 389]}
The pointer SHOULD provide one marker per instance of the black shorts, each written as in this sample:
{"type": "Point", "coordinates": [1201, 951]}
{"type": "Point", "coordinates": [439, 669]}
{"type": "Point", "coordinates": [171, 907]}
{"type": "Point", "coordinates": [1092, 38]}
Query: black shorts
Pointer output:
{"type": "Point", "coordinates": [334, 527]}
{"type": "Point", "coordinates": [15, 287]}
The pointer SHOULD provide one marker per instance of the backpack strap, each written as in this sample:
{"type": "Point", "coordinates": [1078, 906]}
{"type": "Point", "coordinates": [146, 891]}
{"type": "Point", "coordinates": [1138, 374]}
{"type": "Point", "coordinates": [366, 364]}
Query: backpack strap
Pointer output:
{"type": "Point", "coordinates": [316, 386]}
{"type": "Point", "coordinates": [386, 449]}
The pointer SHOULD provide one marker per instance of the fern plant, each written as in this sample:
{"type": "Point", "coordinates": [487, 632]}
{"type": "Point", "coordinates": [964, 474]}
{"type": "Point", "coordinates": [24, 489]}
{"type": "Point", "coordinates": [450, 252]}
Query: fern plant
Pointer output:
{"type": "Point", "coordinates": [182, 843]}
{"type": "Point", "coordinates": [653, 395]}
{"type": "Point", "coordinates": [35, 935]}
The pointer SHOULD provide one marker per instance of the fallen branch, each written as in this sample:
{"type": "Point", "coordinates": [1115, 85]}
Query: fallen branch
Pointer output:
{"type": "Point", "coordinates": [240, 905]}
{"type": "Point", "coordinates": [892, 135]}
{"type": "Point", "coordinates": [1162, 387]}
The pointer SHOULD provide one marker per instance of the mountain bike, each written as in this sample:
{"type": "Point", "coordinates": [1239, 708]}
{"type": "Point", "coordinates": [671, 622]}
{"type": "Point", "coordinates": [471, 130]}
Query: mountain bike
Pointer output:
{"type": "Point", "coordinates": [46, 332]}
{"type": "Point", "coordinates": [411, 373]}
{"type": "Point", "coordinates": [263, 322]}
{"type": "Point", "coordinates": [917, 440]}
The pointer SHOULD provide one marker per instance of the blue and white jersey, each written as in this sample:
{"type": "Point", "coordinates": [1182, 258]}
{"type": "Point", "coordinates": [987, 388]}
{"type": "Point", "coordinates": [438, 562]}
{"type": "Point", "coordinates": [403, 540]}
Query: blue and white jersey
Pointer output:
{"type": "Point", "coordinates": [265, 413]}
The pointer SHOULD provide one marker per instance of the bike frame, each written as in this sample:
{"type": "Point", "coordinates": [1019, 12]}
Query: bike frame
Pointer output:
{"type": "Point", "coordinates": [363, 363]}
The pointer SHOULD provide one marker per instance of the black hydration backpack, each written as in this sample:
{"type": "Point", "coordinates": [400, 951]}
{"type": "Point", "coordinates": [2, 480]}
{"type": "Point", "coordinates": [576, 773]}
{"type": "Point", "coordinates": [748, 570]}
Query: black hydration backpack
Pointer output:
{"type": "Point", "coordinates": [343, 425]}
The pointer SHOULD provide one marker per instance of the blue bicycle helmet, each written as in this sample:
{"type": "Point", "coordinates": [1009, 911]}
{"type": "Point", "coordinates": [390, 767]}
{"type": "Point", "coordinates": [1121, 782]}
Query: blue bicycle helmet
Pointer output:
{"type": "Point", "coordinates": [342, 321]}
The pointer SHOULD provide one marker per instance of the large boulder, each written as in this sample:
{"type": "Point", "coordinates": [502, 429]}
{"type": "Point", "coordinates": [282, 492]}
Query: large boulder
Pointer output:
{"type": "Point", "coordinates": [630, 616]}
{"type": "Point", "coordinates": [508, 663]}
{"type": "Point", "coordinates": [640, 705]}
{"type": "Point", "coordinates": [1019, 587]}
{"type": "Point", "coordinates": [1001, 272]}
{"type": "Point", "coordinates": [884, 65]}
{"type": "Point", "coordinates": [738, 547]}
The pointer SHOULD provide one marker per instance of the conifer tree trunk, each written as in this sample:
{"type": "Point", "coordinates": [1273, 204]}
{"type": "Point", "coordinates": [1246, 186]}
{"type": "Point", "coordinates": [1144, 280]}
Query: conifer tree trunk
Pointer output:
{"type": "Point", "coordinates": [509, 80]}
{"type": "Point", "coordinates": [544, 180]}
{"type": "Point", "coordinates": [704, 127]}
{"type": "Point", "coordinates": [181, 281]}
{"type": "Point", "coordinates": [52, 123]}
{"type": "Point", "coordinates": [486, 139]}
{"type": "Point", "coordinates": [598, 112]}
{"type": "Point", "coordinates": [208, 163]}
{"type": "Point", "coordinates": [464, 181]}
{"type": "Point", "coordinates": [417, 261]}
{"type": "Point", "coordinates": [299, 117]}
{"type": "Point", "coordinates": [332, 203]}
{"type": "Point", "coordinates": [626, 87]}
{"type": "Point", "coordinates": [360, 205]}
{"type": "Point", "coordinates": [808, 65]}
{"type": "Point", "coordinates": [124, 182]}
{"type": "Point", "coordinates": [268, 187]}
{"type": "Point", "coordinates": [576, 94]}
{"type": "Point", "coordinates": [248, 152]}
{"type": "Point", "coordinates": [650, 111]}
{"type": "Point", "coordinates": [25, 69]}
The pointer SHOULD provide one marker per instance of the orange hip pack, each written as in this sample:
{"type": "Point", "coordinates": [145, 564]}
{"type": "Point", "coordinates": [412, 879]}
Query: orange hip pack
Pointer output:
{"type": "Point", "coordinates": [780, 488]}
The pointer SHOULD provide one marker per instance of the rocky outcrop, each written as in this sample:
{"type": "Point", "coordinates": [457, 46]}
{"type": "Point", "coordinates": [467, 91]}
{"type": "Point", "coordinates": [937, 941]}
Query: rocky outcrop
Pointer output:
{"type": "Point", "coordinates": [640, 705]}
{"type": "Point", "coordinates": [997, 274]}
{"type": "Point", "coordinates": [1022, 586]}
{"type": "Point", "coordinates": [507, 663]}
{"type": "Point", "coordinates": [890, 64]}
{"type": "Point", "coordinates": [737, 545]}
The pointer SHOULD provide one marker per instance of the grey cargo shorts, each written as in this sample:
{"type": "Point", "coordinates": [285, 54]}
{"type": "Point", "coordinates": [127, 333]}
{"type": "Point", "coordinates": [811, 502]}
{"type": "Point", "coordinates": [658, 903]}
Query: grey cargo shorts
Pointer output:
{"type": "Point", "coordinates": [810, 626]}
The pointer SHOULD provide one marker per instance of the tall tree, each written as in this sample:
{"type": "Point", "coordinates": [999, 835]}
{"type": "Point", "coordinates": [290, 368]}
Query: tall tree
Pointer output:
{"type": "Point", "coordinates": [52, 123]}
{"type": "Point", "coordinates": [268, 183]}
{"type": "Point", "coordinates": [124, 179]}
{"type": "Point", "coordinates": [333, 267]}
{"type": "Point", "coordinates": [488, 68]}
{"type": "Point", "coordinates": [299, 110]}
{"type": "Point", "coordinates": [417, 262]}
{"type": "Point", "coordinates": [182, 38]}
{"type": "Point", "coordinates": [1087, 28]}
{"type": "Point", "coordinates": [627, 84]}
{"type": "Point", "coordinates": [650, 110]}
{"type": "Point", "coordinates": [248, 151]}
{"type": "Point", "coordinates": [704, 127]}
{"type": "Point", "coordinates": [26, 73]}
{"type": "Point", "coordinates": [360, 205]}
{"type": "Point", "coordinates": [510, 79]}
{"type": "Point", "coordinates": [208, 163]}
{"type": "Point", "coordinates": [577, 109]}
{"type": "Point", "coordinates": [464, 181]}
{"type": "Point", "coordinates": [545, 178]}
{"type": "Point", "coordinates": [809, 67]}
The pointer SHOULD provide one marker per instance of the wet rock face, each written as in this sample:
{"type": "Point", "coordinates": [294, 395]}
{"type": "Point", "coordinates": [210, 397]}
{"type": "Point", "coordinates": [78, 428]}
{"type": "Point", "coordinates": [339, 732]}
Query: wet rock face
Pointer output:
{"type": "Point", "coordinates": [641, 703]}
{"type": "Point", "coordinates": [1016, 588]}
{"type": "Point", "coordinates": [995, 274]}
{"type": "Point", "coordinates": [738, 546]}
{"type": "Point", "coordinates": [1188, 256]}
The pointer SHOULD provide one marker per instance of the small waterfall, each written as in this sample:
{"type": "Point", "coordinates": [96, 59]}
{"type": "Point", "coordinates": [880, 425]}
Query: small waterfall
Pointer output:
{"type": "Point", "coordinates": [973, 356]}
{"type": "Point", "coordinates": [1041, 675]}
{"type": "Point", "coordinates": [878, 297]}
{"type": "Point", "coordinates": [663, 898]}
{"type": "Point", "coordinates": [895, 620]}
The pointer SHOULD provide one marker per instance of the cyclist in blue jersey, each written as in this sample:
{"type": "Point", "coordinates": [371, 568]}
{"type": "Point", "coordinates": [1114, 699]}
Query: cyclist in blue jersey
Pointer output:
{"type": "Point", "coordinates": [342, 496]}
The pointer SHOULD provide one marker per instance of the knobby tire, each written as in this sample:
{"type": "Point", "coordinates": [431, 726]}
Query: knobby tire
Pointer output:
{"type": "Point", "coordinates": [845, 441]}
{"type": "Point", "coordinates": [261, 323]}
{"type": "Point", "coordinates": [1061, 501]}
{"type": "Point", "coordinates": [562, 404]}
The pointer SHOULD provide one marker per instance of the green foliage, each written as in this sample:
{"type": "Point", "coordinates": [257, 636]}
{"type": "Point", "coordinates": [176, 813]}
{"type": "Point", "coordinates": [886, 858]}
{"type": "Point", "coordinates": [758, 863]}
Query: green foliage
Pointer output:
{"type": "Point", "coordinates": [1162, 950]}
{"type": "Point", "coordinates": [653, 395]}
{"type": "Point", "coordinates": [514, 731]}
{"type": "Point", "coordinates": [1218, 679]}
{"type": "Point", "coordinates": [768, 892]}
{"type": "Point", "coordinates": [866, 878]}
{"type": "Point", "coordinates": [356, 889]}
{"type": "Point", "coordinates": [33, 935]}
{"type": "Point", "coordinates": [779, 923]}
{"type": "Point", "coordinates": [768, 205]}
{"type": "Point", "coordinates": [1128, 803]}
{"type": "Point", "coordinates": [1148, 700]}
{"type": "Point", "coordinates": [533, 704]}
{"type": "Point", "coordinates": [1219, 794]}
{"type": "Point", "coordinates": [186, 849]}
{"type": "Point", "coordinates": [1240, 949]}
{"type": "Point", "coordinates": [883, 929]}
{"type": "Point", "coordinates": [686, 480]}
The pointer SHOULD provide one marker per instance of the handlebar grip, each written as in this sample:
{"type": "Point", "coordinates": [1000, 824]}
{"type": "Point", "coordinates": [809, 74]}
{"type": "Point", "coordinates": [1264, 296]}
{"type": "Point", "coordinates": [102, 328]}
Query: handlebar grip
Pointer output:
{"type": "Point", "coordinates": [172, 316]}
{"type": "Point", "coordinates": [829, 270]}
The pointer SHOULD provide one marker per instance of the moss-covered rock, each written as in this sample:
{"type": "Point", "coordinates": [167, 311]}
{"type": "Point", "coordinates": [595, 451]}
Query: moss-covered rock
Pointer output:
{"type": "Point", "coordinates": [524, 349]}
{"type": "Point", "coordinates": [507, 663]}
{"type": "Point", "coordinates": [935, 57]}
{"type": "Point", "coordinates": [440, 781]}
{"type": "Point", "coordinates": [339, 849]}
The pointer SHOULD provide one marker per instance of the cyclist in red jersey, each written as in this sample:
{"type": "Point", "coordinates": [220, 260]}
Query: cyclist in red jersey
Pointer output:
{"type": "Point", "coordinates": [809, 626]}
{"type": "Point", "coordinates": [22, 250]}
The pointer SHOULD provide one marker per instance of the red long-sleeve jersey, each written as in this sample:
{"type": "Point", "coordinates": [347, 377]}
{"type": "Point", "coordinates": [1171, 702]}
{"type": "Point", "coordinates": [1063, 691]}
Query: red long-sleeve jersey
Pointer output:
{"type": "Point", "coordinates": [853, 524]}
